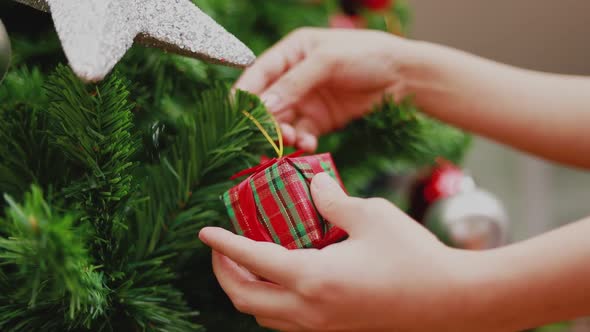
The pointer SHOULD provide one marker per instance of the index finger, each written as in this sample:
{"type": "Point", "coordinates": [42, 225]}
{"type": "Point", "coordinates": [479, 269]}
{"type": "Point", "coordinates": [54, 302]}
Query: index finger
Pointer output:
{"type": "Point", "coordinates": [267, 260]}
{"type": "Point", "coordinates": [272, 64]}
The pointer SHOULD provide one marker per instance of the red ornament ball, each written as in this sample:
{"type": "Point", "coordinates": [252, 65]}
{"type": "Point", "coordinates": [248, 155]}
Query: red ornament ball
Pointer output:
{"type": "Point", "coordinates": [446, 180]}
{"type": "Point", "coordinates": [377, 4]}
{"type": "Point", "coordinates": [343, 21]}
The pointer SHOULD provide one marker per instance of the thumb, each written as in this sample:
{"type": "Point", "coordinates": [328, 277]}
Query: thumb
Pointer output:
{"type": "Point", "coordinates": [335, 205]}
{"type": "Point", "coordinates": [293, 86]}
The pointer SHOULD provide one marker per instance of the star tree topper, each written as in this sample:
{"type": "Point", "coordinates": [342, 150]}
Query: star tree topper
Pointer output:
{"type": "Point", "coordinates": [95, 34]}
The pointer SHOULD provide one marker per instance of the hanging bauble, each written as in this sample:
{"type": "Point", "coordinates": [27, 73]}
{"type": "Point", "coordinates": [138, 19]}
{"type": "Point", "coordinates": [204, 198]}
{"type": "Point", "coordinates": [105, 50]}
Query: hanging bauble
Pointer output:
{"type": "Point", "coordinates": [461, 214]}
{"type": "Point", "coordinates": [5, 51]}
{"type": "Point", "coordinates": [473, 220]}
{"type": "Point", "coordinates": [343, 21]}
{"type": "Point", "coordinates": [430, 185]}
{"type": "Point", "coordinates": [445, 181]}
{"type": "Point", "coordinates": [448, 202]}
{"type": "Point", "coordinates": [377, 5]}
{"type": "Point", "coordinates": [354, 7]}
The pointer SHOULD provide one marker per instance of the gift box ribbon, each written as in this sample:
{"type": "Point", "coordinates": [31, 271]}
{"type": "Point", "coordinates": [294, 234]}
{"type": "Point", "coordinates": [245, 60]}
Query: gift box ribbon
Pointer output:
{"type": "Point", "coordinates": [249, 219]}
{"type": "Point", "coordinates": [246, 197]}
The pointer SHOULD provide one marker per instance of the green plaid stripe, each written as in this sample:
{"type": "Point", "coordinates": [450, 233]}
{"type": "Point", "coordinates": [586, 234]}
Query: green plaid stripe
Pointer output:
{"type": "Point", "coordinates": [282, 208]}
{"type": "Point", "coordinates": [261, 214]}
{"type": "Point", "coordinates": [279, 184]}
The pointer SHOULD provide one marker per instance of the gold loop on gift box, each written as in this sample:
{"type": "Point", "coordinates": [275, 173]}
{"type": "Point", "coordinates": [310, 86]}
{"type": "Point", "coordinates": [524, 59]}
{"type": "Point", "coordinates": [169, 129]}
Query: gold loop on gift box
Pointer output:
{"type": "Point", "coordinates": [278, 149]}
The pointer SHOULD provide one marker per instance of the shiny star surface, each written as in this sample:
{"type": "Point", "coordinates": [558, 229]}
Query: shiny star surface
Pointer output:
{"type": "Point", "coordinates": [95, 34]}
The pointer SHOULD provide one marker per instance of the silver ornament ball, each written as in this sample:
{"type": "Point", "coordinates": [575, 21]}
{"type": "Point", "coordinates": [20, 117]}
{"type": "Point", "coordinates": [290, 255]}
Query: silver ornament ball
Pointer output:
{"type": "Point", "coordinates": [5, 51]}
{"type": "Point", "coordinates": [473, 220]}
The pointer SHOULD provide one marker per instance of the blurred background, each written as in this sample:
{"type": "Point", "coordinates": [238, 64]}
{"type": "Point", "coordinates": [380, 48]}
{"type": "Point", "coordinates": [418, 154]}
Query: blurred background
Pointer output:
{"type": "Point", "coordinates": [545, 35]}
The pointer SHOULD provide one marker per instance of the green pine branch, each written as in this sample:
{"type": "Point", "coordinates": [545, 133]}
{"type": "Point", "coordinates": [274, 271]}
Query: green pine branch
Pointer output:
{"type": "Point", "coordinates": [26, 155]}
{"type": "Point", "coordinates": [394, 137]}
{"type": "Point", "coordinates": [41, 49]}
{"type": "Point", "coordinates": [45, 263]}
{"type": "Point", "coordinates": [146, 302]}
{"type": "Point", "coordinates": [93, 127]}
{"type": "Point", "coordinates": [22, 86]}
{"type": "Point", "coordinates": [213, 140]}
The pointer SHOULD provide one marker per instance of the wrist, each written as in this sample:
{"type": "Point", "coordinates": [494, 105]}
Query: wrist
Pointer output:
{"type": "Point", "coordinates": [418, 67]}
{"type": "Point", "coordinates": [450, 295]}
{"type": "Point", "coordinates": [471, 302]}
{"type": "Point", "coordinates": [491, 291]}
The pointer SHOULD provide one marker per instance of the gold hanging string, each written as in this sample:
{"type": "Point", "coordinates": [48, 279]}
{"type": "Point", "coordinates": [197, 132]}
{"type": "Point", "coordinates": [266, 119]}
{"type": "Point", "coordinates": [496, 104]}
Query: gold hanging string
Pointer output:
{"type": "Point", "coordinates": [278, 149]}
{"type": "Point", "coordinates": [393, 24]}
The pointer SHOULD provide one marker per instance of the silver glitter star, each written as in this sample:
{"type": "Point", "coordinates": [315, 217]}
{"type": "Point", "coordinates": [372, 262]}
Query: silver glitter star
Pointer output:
{"type": "Point", "coordinates": [95, 34]}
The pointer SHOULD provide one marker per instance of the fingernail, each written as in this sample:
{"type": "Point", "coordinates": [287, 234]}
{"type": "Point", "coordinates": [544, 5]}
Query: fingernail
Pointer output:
{"type": "Point", "coordinates": [324, 182]}
{"type": "Point", "coordinates": [271, 101]}
{"type": "Point", "coordinates": [203, 235]}
{"type": "Point", "coordinates": [307, 142]}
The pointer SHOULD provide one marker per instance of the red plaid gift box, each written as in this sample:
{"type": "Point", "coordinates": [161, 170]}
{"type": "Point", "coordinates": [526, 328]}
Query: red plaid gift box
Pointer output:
{"type": "Point", "coordinates": [274, 204]}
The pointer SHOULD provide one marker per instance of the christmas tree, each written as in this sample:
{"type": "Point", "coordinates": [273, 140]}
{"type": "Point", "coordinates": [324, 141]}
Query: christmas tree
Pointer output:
{"type": "Point", "coordinates": [106, 185]}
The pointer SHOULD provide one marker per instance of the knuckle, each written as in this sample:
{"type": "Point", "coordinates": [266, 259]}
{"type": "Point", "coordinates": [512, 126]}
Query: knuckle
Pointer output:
{"type": "Point", "coordinates": [305, 31]}
{"type": "Point", "coordinates": [329, 205]}
{"type": "Point", "coordinates": [379, 203]}
{"type": "Point", "coordinates": [316, 321]}
{"type": "Point", "coordinates": [366, 208]}
{"type": "Point", "coordinates": [316, 286]}
{"type": "Point", "coordinates": [290, 83]}
{"type": "Point", "coordinates": [306, 36]}
{"type": "Point", "coordinates": [309, 288]}
{"type": "Point", "coordinates": [327, 58]}
{"type": "Point", "coordinates": [300, 33]}
{"type": "Point", "coordinates": [263, 322]}
{"type": "Point", "coordinates": [323, 55]}
{"type": "Point", "coordinates": [305, 288]}
{"type": "Point", "coordinates": [241, 304]}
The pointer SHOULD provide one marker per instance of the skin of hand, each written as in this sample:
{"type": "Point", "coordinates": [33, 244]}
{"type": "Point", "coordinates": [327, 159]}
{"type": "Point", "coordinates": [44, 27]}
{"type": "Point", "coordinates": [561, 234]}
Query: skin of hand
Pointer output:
{"type": "Point", "coordinates": [315, 81]}
{"type": "Point", "coordinates": [366, 283]}
{"type": "Point", "coordinates": [391, 274]}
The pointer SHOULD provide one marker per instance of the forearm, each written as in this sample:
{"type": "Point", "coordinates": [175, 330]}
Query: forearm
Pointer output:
{"type": "Point", "coordinates": [543, 280]}
{"type": "Point", "coordinates": [544, 114]}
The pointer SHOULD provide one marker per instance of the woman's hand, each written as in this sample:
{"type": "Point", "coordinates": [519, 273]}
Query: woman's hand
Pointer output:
{"type": "Point", "coordinates": [316, 81]}
{"type": "Point", "coordinates": [390, 275]}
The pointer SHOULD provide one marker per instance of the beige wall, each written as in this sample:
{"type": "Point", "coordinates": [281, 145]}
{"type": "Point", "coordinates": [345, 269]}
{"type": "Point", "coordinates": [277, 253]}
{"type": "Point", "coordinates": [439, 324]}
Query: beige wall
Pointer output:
{"type": "Point", "coordinates": [541, 34]}
{"type": "Point", "coordinates": [549, 35]}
